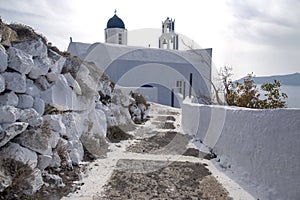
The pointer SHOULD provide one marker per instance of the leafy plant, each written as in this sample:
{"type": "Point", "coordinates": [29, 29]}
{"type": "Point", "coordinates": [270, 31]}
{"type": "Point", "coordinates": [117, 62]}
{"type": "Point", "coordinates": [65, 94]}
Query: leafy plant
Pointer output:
{"type": "Point", "coordinates": [243, 94]}
{"type": "Point", "coordinates": [274, 97]}
{"type": "Point", "coordinates": [246, 94]}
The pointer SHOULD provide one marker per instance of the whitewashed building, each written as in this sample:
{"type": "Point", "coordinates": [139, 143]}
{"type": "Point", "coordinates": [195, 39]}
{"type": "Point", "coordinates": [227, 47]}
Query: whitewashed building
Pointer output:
{"type": "Point", "coordinates": [164, 75]}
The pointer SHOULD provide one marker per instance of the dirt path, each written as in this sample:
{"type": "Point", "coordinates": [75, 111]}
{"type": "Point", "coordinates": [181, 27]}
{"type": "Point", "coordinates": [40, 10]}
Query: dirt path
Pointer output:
{"type": "Point", "coordinates": [159, 163]}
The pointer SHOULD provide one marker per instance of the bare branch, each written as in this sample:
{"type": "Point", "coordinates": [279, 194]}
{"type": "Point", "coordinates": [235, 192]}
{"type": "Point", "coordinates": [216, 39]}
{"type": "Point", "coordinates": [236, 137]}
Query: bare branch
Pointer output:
{"type": "Point", "coordinates": [219, 101]}
{"type": "Point", "coordinates": [194, 51]}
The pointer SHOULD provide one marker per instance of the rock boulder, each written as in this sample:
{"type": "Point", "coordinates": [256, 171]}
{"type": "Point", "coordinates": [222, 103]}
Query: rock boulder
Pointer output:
{"type": "Point", "coordinates": [9, 98]}
{"type": "Point", "coordinates": [15, 81]}
{"type": "Point", "coordinates": [9, 114]}
{"type": "Point", "coordinates": [40, 67]}
{"type": "Point", "coordinates": [39, 105]}
{"type": "Point", "coordinates": [11, 131]}
{"type": "Point", "coordinates": [40, 140]}
{"type": "Point", "coordinates": [16, 152]}
{"type": "Point", "coordinates": [34, 47]}
{"type": "Point", "coordinates": [32, 183]}
{"type": "Point", "coordinates": [31, 117]}
{"type": "Point", "coordinates": [25, 101]}
{"type": "Point", "coordinates": [19, 61]}
{"type": "Point", "coordinates": [32, 89]}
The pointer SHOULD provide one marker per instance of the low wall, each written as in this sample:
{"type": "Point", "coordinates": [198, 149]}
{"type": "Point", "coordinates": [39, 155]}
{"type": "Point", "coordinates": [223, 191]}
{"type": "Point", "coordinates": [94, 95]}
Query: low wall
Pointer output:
{"type": "Point", "coordinates": [261, 147]}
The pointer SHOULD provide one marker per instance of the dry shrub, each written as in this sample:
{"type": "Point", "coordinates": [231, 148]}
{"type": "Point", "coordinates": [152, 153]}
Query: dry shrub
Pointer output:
{"type": "Point", "coordinates": [25, 32]}
{"type": "Point", "coordinates": [19, 173]}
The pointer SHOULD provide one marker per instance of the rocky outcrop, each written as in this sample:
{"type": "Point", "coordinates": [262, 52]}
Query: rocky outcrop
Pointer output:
{"type": "Point", "coordinates": [52, 111]}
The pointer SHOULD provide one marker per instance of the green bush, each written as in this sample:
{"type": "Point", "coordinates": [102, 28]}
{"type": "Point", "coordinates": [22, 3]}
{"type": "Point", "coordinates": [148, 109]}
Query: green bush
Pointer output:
{"type": "Point", "coordinates": [247, 95]}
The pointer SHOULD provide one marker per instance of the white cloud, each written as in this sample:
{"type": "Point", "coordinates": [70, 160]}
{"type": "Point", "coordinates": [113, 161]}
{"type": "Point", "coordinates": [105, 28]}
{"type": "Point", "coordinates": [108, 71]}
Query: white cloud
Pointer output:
{"type": "Point", "coordinates": [265, 36]}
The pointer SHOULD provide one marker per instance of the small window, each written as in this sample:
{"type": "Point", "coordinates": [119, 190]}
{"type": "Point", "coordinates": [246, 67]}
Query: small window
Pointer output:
{"type": "Point", "coordinates": [120, 38]}
{"type": "Point", "coordinates": [179, 86]}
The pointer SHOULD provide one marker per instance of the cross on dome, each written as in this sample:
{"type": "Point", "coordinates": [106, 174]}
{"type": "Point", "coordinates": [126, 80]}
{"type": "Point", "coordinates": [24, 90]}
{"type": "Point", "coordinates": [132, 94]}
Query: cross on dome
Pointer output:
{"type": "Point", "coordinates": [115, 22]}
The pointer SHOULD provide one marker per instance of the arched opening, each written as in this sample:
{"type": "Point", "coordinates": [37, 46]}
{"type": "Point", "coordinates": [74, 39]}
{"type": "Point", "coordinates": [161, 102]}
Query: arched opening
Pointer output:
{"type": "Point", "coordinates": [147, 86]}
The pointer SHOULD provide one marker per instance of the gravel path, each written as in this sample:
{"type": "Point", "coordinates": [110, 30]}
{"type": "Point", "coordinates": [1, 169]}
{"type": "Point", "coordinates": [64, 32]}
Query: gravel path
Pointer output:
{"type": "Point", "coordinates": [158, 163]}
{"type": "Point", "coordinates": [174, 180]}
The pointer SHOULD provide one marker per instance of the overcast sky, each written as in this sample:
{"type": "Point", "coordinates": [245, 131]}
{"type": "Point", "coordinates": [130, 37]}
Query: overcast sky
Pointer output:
{"type": "Point", "coordinates": [259, 36]}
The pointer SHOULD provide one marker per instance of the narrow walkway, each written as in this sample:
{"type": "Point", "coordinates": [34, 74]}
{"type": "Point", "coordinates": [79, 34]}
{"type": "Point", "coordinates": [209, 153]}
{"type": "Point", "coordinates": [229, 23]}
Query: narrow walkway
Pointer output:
{"type": "Point", "coordinates": [160, 163]}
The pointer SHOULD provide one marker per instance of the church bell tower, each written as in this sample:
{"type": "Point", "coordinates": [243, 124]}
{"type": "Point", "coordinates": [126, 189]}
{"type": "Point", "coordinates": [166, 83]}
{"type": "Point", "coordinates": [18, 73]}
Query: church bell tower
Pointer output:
{"type": "Point", "coordinates": [168, 39]}
{"type": "Point", "coordinates": [115, 31]}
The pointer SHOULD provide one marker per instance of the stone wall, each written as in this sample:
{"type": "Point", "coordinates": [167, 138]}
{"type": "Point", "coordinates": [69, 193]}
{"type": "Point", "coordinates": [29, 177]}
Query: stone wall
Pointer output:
{"type": "Point", "coordinates": [52, 108]}
{"type": "Point", "coordinates": [259, 147]}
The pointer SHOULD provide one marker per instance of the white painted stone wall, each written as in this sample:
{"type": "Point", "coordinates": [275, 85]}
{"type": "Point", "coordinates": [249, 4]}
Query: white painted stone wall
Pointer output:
{"type": "Point", "coordinates": [130, 66]}
{"type": "Point", "coordinates": [260, 147]}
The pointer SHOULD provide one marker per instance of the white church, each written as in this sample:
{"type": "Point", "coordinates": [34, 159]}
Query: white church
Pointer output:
{"type": "Point", "coordinates": [164, 75]}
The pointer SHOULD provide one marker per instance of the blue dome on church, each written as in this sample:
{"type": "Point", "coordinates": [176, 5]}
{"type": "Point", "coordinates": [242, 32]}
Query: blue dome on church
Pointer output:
{"type": "Point", "coordinates": [115, 22]}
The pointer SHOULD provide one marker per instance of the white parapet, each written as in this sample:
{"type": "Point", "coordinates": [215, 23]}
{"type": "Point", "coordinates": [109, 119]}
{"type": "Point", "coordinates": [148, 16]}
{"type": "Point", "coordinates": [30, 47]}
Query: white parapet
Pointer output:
{"type": "Point", "coordinates": [261, 147]}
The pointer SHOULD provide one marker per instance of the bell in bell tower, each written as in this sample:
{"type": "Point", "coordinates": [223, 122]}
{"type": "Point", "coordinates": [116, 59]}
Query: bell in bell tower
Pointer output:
{"type": "Point", "coordinates": [168, 39]}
